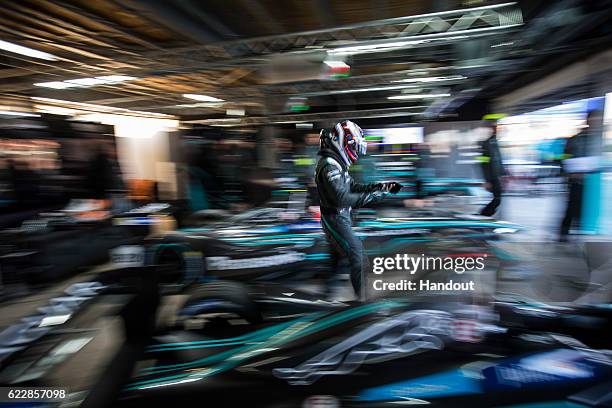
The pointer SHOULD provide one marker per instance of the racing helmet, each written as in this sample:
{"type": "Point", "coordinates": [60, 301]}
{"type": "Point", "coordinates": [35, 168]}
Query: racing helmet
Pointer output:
{"type": "Point", "coordinates": [346, 139]}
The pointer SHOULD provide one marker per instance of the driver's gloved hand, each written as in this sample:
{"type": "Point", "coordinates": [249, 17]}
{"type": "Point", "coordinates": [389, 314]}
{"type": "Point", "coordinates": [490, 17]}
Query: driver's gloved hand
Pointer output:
{"type": "Point", "coordinates": [379, 187]}
{"type": "Point", "coordinates": [393, 187]}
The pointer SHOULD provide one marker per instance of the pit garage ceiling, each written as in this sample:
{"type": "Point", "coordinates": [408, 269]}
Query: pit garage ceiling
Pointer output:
{"type": "Point", "coordinates": [258, 56]}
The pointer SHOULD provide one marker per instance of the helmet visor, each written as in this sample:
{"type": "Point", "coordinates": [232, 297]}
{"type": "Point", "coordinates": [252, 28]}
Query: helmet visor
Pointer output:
{"type": "Point", "coordinates": [362, 146]}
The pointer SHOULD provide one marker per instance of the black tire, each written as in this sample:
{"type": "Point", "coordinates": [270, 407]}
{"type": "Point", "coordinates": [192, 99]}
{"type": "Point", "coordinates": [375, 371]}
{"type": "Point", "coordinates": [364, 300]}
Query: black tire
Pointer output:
{"type": "Point", "coordinates": [234, 295]}
{"type": "Point", "coordinates": [171, 266]}
{"type": "Point", "coordinates": [178, 265]}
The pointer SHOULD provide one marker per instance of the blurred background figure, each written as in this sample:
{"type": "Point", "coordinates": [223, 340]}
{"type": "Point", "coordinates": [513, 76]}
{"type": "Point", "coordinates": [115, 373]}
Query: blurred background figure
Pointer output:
{"type": "Point", "coordinates": [102, 176]}
{"type": "Point", "coordinates": [581, 157]}
{"type": "Point", "coordinates": [422, 172]}
{"type": "Point", "coordinates": [305, 162]}
{"type": "Point", "coordinates": [285, 157]}
{"type": "Point", "coordinates": [492, 168]}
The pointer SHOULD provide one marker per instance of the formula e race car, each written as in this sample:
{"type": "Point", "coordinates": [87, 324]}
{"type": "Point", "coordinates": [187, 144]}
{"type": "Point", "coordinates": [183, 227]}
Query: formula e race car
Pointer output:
{"type": "Point", "coordinates": [393, 351]}
{"type": "Point", "coordinates": [56, 244]}
{"type": "Point", "coordinates": [268, 243]}
{"type": "Point", "coordinates": [509, 352]}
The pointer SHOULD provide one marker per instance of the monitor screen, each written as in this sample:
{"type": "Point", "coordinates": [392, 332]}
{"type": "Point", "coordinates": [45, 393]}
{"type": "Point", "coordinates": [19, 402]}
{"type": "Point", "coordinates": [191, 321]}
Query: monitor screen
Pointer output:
{"type": "Point", "coordinates": [396, 136]}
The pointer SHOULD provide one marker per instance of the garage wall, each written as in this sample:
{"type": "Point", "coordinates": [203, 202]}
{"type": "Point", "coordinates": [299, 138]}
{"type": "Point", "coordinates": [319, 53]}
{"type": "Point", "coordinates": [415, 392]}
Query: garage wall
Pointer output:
{"type": "Point", "coordinates": [142, 143]}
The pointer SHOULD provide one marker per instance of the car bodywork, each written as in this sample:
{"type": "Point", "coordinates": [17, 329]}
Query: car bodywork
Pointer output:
{"type": "Point", "coordinates": [391, 351]}
{"type": "Point", "coordinates": [57, 244]}
{"type": "Point", "coordinates": [445, 353]}
{"type": "Point", "coordinates": [268, 243]}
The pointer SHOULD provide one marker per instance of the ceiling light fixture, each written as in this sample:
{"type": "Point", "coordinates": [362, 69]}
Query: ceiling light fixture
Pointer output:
{"type": "Point", "coordinates": [209, 105]}
{"type": "Point", "coordinates": [56, 85]}
{"type": "Point", "coordinates": [28, 52]}
{"type": "Point", "coordinates": [433, 79]}
{"type": "Point", "coordinates": [392, 46]}
{"type": "Point", "coordinates": [419, 96]}
{"type": "Point", "coordinates": [359, 49]}
{"type": "Point", "coordinates": [203, 98]}
{"type": "Point", "coordinates": [235, 112]}
{"type": "Point", "coordinates": [358, 90]}
{"type": "Point", "coordinates": [86, 82]}
{"type": "Point", "coordinates": [15, 113]}
{"type": "Point", "coordinates": [116, 78]}
{"type": "Point", "coordinates": [502, 44]}
{"type": "Point", "coordinates": [336, 64]}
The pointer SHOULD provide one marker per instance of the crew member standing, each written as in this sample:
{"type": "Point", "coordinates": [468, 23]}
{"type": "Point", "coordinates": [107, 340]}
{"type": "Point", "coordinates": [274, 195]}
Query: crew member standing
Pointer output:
{"type": "Point", "coordinates": [492, 169]}
{"type": "Point", "coordinates": [578, 147]}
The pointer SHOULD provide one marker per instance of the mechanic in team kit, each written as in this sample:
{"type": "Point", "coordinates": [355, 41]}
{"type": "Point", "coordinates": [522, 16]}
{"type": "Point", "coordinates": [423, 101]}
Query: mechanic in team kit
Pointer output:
{"type": "Point", "coordinates": [340, 147]}
{"type": "Point", "coordinates": [492, 167]}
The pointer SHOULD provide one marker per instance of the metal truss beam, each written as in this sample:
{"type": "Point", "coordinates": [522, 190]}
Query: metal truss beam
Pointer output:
{"type": "Point", "coordinates": [312, 117]}
{"type": "Point", "coordinates": [356, 82]}
{"type": "Point", "coordinates": [416, 31]}
{"type": "Point", "coordinates": [425, 27]}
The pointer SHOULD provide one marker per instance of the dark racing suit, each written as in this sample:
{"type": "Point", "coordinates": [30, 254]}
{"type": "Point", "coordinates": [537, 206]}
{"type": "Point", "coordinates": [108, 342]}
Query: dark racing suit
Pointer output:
{"type": "Point", "coordinates": [493, 170]}
{"type": "Point", "coordinates": [338, 194]}
{"type": "Point", "coordinates": [576, 146]}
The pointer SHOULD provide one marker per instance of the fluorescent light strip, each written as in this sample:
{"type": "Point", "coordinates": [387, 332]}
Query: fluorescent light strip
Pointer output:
{"type": "Point", "coordinates": [86, 82]}
{"type": "Point", "coordinates": [15, 113]}
{"type": "Point", "coordinates": [56, 85]}
{"type": "Point", "coordinates": [433, 79]}
{"type": "Point", "coordinates": [502, 44]}
{"type": "Point", "coordinates": [373, 89]}
{"type": "Point", "coordinates": [389, 87]}
{"type": "Point", "coordinates": [116, 78]}
{"type": "Point", "coordinates": [28, 52]}
{"type": "Point", "coordinates": [390, 46]}
{"type": "Point", "coordinates": [357, 90]}
{"type": "Point", "coordinates": [359, 49]}
{"type": "Point", "coordinates": [419, 96]}
{"type": "Point", "coordinates": [198, 105]}
{"type": "Point", "coordinates": [203, 98]}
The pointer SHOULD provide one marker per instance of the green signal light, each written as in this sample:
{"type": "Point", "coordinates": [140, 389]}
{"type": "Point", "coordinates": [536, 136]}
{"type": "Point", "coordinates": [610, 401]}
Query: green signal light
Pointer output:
{"type": "Point", "coordinates": [299, 108]}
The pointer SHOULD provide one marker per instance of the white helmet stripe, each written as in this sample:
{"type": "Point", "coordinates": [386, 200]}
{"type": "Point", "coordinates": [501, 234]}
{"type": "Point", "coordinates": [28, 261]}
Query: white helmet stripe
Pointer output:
{"type": "Point", "coordinates": [340, 131]}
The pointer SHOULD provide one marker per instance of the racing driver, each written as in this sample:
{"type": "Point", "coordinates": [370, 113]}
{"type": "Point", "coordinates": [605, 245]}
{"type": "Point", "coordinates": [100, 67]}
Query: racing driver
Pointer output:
{"type": "Point", "coordinates": [341, 146]}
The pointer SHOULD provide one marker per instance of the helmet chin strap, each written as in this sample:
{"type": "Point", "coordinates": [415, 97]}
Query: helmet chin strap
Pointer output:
{"type": "Point", "coordinates": [351, 155]}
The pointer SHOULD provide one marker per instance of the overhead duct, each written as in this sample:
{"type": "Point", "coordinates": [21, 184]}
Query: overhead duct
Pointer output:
{"type": "Point", "coordinates": [563, 78]}
{"type": "Point", "coordinates": [286, 68]}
